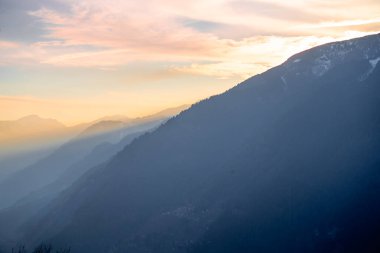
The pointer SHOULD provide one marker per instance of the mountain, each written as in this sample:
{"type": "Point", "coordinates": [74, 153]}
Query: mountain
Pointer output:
{"type": "Point", "coordinates": [117, 117]}
{"type": "Point", "coordinates": [17, 185]}
{"type": "Point", "coordinates": [25, 131]}
{"type": "Point", "coordinates": [12, 163]}
{"type": "Point", "coordinates": [165, 113]}
{"type": "Point", "coordinates": [27, 140]}
{"type": "Point", "coordinates": [12, 219]}
{"type": "Point", "coordinates": [29, 127]}
{"type": "Point", "coordinates": [286, 161]}
{"type": "Point", "coordinates": [31, 124]}
{"type": "Point", "coordinates": [50, 168]}
{"type": "Point", "coordinates": [47, 169]}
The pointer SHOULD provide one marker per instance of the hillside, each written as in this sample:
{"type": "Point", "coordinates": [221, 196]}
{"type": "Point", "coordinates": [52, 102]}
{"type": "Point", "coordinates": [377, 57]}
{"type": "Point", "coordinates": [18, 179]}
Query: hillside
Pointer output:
{"type": "Point", "coordinates": [286, 161]}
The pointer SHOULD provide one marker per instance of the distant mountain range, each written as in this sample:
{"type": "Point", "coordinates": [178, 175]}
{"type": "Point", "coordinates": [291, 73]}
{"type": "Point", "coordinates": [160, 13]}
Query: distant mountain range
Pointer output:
{"type": "Point", "coordinates": [286, 161]}
{"type": "Point", "coordinates": [35, 202]}
{"type": "Point", "coordinates": [28, 192]}
{"type": "Point", "coordinates": [51, 167]}
{"type": "Point", "coordinates": [31, 124]}
{"type": "Point", "coordinates": [29, 139]}
{"type": "Point", "coordinates": [21, 134]}
{"type": "Point", "coordinates": [32, 133]}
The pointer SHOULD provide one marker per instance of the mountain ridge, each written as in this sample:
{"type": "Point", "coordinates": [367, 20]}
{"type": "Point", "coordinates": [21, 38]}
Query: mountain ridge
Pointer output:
{"type": "Point", "coordinates": [48, 168]}
{"type": "Point", "coordinates": [285, 171]}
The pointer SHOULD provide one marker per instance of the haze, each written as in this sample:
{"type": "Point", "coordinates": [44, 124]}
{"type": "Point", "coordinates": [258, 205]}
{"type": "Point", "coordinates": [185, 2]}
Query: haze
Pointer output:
{"type": "Point", "coordinates": [77, 60]}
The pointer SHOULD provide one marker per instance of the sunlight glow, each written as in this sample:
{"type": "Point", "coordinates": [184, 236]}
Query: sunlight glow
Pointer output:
{"type": "Point", "coordinates": [159, 54]}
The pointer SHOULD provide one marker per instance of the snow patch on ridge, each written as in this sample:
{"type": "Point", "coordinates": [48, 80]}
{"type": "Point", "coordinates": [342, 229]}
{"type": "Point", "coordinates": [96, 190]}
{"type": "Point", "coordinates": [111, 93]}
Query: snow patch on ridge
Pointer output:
{"type": "Point", "coordinates": [322, 65]}
{"type": "Point", "coordinates": [374, 62]}
{"type": "Point", "coordinates": [285, 83]}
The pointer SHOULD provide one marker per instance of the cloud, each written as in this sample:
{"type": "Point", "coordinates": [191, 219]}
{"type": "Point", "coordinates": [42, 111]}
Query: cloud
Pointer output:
{"type": "Point", "coordinates": [276, 11]}
{"type": "Point", "coordinates": [8, 44]}
{"type": "Point", "coordinates": [250, 56]}
{"type": "Point", "coordinates": [240, 35]}
{"type": "Point", "coordinates": [223, 70]}
{"type": "Point", "coordinates": [69, 54]}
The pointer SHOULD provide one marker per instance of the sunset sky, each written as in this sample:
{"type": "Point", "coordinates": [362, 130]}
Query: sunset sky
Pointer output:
{"type": "Point", "coordinates": [76, 60]}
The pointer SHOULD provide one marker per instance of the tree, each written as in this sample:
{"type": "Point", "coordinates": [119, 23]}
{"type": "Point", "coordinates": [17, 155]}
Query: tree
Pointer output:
{"type": "Point", "coordinates": [42, 248]}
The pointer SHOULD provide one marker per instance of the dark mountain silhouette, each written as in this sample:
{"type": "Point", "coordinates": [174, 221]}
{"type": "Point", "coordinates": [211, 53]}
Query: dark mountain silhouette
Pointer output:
{"type": "Point", "coordinates": [287, 161]}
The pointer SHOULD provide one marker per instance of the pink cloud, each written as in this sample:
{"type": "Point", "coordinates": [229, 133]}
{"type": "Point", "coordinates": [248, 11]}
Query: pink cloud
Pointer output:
{"type": "Point", "coordinates": [108, 34]}
{"type": "Point", "coordinates": [8, 44]}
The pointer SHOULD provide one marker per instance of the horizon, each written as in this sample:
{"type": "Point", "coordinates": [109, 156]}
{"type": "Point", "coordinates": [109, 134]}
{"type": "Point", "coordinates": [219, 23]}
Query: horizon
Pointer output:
{"type": "Point", "coordinates": [75, 61]}
{"type": "Point", "coordinates": [101, 118]}
{"type": "Point", "coordinates": [189, 126]}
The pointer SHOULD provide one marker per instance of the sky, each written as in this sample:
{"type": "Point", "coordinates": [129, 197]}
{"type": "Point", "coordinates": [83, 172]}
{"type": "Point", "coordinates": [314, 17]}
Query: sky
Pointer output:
{"type": "Point", "coordinates": [77, 60]}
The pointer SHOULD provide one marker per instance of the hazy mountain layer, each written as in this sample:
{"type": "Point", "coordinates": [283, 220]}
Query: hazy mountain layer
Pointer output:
{"type": "Point", "coordinates": [287, 161]}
